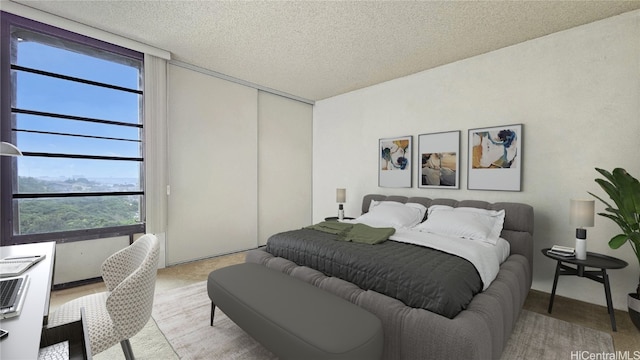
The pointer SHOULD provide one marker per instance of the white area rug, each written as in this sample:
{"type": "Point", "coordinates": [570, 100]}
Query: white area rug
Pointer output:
{"type": "Point", "coordinates": [183, 332]}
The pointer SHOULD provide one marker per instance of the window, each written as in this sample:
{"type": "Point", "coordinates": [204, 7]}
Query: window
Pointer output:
{"type": "Point", "coordinates": [73, 105]}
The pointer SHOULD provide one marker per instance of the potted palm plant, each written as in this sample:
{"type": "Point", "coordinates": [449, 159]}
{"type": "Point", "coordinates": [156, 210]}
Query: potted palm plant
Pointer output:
{"type": "Point", "coordinates": [624, 191]}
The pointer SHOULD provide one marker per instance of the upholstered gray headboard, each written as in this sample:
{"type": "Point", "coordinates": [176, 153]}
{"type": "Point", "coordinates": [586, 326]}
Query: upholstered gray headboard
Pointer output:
{"type": "Point", "coordinates": [518, 219]}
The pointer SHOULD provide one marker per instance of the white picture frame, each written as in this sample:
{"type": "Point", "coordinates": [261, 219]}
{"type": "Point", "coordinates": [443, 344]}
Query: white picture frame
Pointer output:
{"type": "Point", "coordinates": [495, 158]}
{"type": "Point", "coordinates": [395, 162]}
{"type": "Point", "coordinates": [439, 160]}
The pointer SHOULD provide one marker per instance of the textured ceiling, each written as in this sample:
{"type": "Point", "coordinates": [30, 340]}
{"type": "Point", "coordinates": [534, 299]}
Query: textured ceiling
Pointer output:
{"type": "Point", "coordinates": [316, 50]}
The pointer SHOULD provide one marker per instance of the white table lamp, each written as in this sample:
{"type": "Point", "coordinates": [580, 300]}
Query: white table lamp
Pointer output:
{"type": "Point", "coordinates": [581, 215]}
{"type": "Point", "coordinates": [341, 197]}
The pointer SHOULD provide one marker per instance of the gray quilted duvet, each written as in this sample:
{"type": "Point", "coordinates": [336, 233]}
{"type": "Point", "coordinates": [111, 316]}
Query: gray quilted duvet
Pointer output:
{"type": "Point", "coordinates": [419, 277]}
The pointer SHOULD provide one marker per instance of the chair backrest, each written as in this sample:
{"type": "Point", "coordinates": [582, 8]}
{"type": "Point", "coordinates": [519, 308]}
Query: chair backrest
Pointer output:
{"type": "Point", "coordinates": [130, 276]}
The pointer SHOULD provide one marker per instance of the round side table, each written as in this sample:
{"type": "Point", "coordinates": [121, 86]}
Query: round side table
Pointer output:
{"type": "Point", "coordinates": [593, 260]}
{"type": "Point", "coordinates": [335, 218]}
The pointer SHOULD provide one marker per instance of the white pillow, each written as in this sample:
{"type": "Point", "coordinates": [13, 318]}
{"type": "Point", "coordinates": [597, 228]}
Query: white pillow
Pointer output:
{"type": "Point", "coordinates": [392, 214]}
{"type": "Point", "coordinates": [463, 222]}
{"type": "Point", "coordinates": [421, 208]}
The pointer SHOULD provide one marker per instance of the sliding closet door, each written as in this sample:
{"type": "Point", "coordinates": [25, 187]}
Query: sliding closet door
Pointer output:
{"type": "Point", "coordinates": [285, 151]}
{"type": "Point", "coordinates": [213, 177]}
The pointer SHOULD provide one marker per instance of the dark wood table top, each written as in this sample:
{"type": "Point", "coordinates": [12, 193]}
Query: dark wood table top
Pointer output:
{"type": "Point", "coordinates": [593, 260]}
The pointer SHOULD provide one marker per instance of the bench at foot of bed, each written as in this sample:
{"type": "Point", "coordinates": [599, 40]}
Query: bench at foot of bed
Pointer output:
{"type": "Point", "coordinates": [291, 318]}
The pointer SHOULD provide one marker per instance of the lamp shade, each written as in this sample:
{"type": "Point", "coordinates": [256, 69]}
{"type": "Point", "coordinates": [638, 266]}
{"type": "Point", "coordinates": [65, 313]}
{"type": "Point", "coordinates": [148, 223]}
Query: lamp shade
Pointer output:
{"type": "Point", "coordinates": [9, 149]}
{"type": "Point", "coordinates": [581, 213]}
{"type": "Point", "coordinates": [341, 195]}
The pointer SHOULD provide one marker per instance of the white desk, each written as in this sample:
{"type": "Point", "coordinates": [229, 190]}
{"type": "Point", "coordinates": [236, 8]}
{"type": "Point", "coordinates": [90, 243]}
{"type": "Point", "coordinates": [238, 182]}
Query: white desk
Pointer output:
{"type": "Point", "coordinates": [23, 341]}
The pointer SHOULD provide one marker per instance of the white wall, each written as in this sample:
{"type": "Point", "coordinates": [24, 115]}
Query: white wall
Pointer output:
{"type": "Point", "coordinates": [576, 92]}
{"type": "Point", "coordinates": [80, 260]}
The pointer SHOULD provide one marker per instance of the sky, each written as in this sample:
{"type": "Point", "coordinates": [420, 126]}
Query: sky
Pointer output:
{"type": "Point", "coordinates": [43, 93]}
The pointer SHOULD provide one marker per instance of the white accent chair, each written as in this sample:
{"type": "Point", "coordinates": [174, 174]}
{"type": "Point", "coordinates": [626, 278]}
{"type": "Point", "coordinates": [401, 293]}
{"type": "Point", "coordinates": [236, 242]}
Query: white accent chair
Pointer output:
{"type": "Point", "coordinates": [124, 309]}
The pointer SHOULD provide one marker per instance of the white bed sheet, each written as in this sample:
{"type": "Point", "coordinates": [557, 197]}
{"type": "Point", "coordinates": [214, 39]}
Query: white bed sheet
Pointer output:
{"type": "Point", "coordinates": [484, 256]}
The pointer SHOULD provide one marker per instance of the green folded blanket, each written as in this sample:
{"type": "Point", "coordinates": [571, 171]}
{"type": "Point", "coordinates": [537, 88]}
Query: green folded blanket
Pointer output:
{"type": "Point", "coordinates": [354, 232]}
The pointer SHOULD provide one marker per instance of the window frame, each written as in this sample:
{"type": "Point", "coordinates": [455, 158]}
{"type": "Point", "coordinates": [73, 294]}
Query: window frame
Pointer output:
{"type": "Point", "coordinates": [8, 165]}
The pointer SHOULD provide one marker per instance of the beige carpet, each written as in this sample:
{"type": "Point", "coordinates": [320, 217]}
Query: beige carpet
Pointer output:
{"type": "Point", "coordinates": [536, 336]}
{"type": "Point", "coordinates": [182, 315]}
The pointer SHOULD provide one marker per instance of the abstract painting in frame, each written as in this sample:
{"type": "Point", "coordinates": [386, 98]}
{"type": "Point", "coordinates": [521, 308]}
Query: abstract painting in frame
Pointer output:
{"type": "Point", "coordinates": [495, 158]}
{"type": "Point", "coordinates": [394, 165]}
{"type": "Point", "coordinates": [439, 157]}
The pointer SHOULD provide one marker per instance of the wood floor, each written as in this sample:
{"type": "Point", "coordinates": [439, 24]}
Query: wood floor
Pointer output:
{"type": "Point", "coordinates": [627, 338]}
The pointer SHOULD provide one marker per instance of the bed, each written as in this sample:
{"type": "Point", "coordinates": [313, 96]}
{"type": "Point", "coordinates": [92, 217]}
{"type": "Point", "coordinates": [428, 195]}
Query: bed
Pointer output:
{"type": "Point", "coordinates": [477, 326]}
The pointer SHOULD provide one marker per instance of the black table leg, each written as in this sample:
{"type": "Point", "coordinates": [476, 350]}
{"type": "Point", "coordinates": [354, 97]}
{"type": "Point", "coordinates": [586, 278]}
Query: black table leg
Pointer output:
{"type": "Point", "coordinates": [607, 293]}
{"type": "Point", "coordinates": [599, 263]}
{"type": "Point", "coordinates": [213, 309]}
{"type": "Point", "coordinates": [555, 284]}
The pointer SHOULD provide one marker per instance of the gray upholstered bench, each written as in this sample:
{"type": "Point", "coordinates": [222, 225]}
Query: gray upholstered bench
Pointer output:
{"type": "Point", "coordinates": [291, 318]}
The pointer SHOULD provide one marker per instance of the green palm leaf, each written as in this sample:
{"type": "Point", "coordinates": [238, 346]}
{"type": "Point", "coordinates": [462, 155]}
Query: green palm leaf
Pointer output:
{"type": "Point", "coordinates": [624, 190]}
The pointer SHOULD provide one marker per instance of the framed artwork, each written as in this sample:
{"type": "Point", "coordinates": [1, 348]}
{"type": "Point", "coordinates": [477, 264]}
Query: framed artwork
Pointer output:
{"type": "Point", "coordinates": [439, 156]}
{"type": "Point", "coordinates": [394, 162]}
{"type": "Point", "coordinates": [495, 158]}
